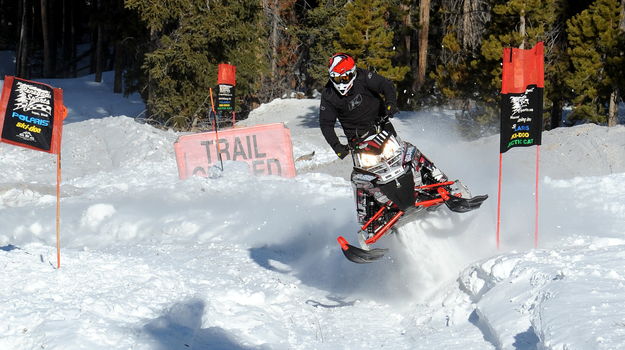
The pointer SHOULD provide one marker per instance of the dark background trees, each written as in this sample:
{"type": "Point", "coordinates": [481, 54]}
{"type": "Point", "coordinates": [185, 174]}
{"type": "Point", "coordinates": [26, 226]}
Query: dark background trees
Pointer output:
{"type": "Point", "coordinates": [436, 51]}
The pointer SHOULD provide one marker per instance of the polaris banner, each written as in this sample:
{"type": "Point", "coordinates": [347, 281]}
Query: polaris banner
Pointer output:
{"type": "Point", "coordinates": [522, 88]}
{"type": "Point", "coordinates": [267, 149]}
{"type": "Point", "coordinates": [31, 115]}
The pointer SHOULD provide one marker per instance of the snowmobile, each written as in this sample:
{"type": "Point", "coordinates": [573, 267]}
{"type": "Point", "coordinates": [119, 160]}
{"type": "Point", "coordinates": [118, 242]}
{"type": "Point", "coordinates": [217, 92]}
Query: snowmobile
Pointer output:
{"type": "Point", "coordinates": [392, 178]}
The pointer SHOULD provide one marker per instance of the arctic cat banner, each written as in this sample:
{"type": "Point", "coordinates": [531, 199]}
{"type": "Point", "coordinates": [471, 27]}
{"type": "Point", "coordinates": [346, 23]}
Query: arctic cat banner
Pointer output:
{"type": "Point", "coordinates": [226, 81]}
{"type": "Point", "coordinates": [267, 149]}
{"type": "Point", "coordinates": [225, 97]}
{"type": "Point", "coordinates": [31, 115]}
{"type": "Point", "coordinates": [522, 88]}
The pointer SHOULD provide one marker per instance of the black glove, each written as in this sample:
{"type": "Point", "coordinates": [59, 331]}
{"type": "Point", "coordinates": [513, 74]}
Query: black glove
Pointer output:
{"type": "Point", "coordinates": [341, 150]}
{"type": "Point", "coordinates": [390, 110]}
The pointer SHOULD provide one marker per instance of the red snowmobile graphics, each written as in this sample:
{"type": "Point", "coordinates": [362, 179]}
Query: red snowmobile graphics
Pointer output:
{"type": "Point", "coordinates": [392, 178]}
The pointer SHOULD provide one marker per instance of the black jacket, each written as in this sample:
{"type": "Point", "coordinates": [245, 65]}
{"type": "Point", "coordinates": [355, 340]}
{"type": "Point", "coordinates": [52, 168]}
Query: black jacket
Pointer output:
{"type": "Point", "coordinates": [359, 109]}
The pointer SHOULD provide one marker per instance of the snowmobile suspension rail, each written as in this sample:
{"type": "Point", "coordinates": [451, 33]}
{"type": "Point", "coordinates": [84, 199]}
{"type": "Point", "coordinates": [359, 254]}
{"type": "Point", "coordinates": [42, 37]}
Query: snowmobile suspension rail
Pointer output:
{"type": "Point", "coordinates": [379, 233]}
{"type": "Point", "coordinates": [375, 216]}
{"type": "Point", "coordinates": [444, 195]}
{"type": "Point", "coordinates": [424, 187]}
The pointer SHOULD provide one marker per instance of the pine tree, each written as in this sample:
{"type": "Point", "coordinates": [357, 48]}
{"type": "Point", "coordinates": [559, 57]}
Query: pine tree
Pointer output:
{"type": "Point", "coordinates": [367, 37]}
{"type": "Point", "coordinates": [283, 48]}
{"type": "Point", "coordinates": [532, 21]}
{"type": "Point", "coordinates": [459, 63]}
{"type": "Point", "coordinates": [511, 23]}
{"type": "Point", "coordinates": [319, 31]}
{"type": "Point", "coordinates": [189, 39]}
{"type": "Point", "coordinates": [595, 51]}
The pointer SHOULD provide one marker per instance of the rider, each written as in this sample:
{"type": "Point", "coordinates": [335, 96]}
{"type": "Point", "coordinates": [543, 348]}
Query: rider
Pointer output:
{"type": "Point", "coordinates": [353, 96]}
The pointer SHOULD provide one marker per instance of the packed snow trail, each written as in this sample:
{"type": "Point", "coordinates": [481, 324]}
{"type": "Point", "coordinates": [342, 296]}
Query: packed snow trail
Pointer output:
{"type": "Point", "coordinates": [151, 262]}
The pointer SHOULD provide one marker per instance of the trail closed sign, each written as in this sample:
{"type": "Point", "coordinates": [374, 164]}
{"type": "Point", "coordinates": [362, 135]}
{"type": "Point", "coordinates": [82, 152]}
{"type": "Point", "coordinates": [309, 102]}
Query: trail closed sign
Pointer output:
{"type": "Point", "coordinates": [267, 149]}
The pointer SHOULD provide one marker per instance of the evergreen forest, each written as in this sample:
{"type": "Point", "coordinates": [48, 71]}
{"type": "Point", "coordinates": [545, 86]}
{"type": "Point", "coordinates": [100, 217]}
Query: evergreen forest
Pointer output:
{"type": "Point", "coordinates": [437, 52]}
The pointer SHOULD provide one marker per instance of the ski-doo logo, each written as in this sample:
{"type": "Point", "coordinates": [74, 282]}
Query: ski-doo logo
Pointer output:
{"type": "Point", "coordinates": [26, 136]}
{"type": "Point", "coordinates": [31, 128]}
{"type": "Point", "coordinates": [355, 102]}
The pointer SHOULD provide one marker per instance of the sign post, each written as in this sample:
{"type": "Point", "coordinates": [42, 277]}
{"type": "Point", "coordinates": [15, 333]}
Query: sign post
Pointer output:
{"type": "Point", "coordinates": [31, 116]}
{"type": "Point", "coordinates": [522, 86]}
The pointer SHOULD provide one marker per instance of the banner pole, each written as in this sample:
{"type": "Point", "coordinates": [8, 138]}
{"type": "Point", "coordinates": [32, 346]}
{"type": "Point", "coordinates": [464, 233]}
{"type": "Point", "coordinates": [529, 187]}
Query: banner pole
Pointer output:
{"type": "Point", "coordinates": [499, 199]}
{"type": "Point", "coordinates": [215, 126]}
{"type": "Point", "coordinates": [536, 203]}
{"type": "Point", "coordinates": [58, 209]}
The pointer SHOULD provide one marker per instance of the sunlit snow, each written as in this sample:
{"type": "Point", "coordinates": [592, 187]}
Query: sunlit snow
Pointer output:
{"type": "Point", "coordinates": [242, 262]}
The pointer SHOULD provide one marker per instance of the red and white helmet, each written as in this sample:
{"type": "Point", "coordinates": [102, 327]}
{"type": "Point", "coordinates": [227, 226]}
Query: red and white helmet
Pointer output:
{"type": "Point", "coordinates": [342, 70]}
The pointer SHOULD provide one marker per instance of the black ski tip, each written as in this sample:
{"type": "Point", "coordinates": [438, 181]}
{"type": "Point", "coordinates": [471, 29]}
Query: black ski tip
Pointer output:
{"type": "Point", "coordinates": [463, 205]}
{"type": "Point", "coordinates": [358, 255]}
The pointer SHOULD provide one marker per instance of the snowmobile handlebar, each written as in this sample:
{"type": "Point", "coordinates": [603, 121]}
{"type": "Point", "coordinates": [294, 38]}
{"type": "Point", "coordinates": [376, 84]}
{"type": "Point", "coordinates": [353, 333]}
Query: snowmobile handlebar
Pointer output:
{"type": "Point", "coordinates": [375, 128]}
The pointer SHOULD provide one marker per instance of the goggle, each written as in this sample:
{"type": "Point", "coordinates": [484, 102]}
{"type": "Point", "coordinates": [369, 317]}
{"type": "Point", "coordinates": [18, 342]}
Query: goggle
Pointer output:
{"type": "Point", "coordinates": [342, 79]}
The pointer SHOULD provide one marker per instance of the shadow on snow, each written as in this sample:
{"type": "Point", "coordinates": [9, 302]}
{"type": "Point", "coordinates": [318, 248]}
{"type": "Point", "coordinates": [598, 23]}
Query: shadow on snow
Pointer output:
{"type": "Point", "coordinates": [181, 328]}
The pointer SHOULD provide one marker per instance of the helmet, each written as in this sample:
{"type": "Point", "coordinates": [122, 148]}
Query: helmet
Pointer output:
{"type": "Point", "coordinates": [342, 70]}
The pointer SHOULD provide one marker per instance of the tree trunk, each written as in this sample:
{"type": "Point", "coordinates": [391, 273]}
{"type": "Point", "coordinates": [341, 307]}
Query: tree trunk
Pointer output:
{"type": "Point", "coordinates": [613, 106]}
{"type": "Point", "coordinates": [99, 52]}
{"type": "Point", "coordinates": [622, 24]}
{"type": "Point", "coordinates": [556, 114]}
{"type": "Point", "coordinates": [407, 22]}
{"type": "Point", "coordinates": [424, 28]}
{"type": "Point", "coordinates": [275, 38]}
{"type": "Point", "coordinates": [65, 37]}
{"type": "Point", "coordinates": [21, 59]}
{"type": "Point", "coordinates": [72, 42]}
{"type": "Point", "coordinates": [272, 11]}
{"type": "Point", "coordinates": [99, 48]}
{"type": "Point", "coordinates": [117, 84]}
{"type": "Point", "coordinates": [613, 109]}
{"type": "Point", "coordinates": [46, 39]}
{"type": "Point", "coordinates": [522, 30]}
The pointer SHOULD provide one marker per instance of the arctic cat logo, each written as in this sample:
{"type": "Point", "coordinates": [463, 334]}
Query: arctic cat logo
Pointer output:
{"type": "Point", "coordinates": [26, 136]}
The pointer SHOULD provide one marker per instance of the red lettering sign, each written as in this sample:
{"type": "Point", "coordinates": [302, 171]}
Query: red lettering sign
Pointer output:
{"type": "Point", "coordinates": [267, 149]}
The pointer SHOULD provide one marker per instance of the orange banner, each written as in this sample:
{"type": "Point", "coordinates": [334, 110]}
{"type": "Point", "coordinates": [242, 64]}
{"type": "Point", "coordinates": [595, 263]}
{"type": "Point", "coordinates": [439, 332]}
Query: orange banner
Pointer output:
{"type": "Point", "coordinates": [522, 68]}
{"type": "Point", "coordinates": [226, 74]}
{"type": "Point", "coordinates": [267, 149]}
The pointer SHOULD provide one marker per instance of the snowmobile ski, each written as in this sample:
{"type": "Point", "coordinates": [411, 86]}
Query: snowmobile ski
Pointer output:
{"type": "Point", "coordinates": [463, 205]}
{"type": "Point", "coordinates": [358, 255]}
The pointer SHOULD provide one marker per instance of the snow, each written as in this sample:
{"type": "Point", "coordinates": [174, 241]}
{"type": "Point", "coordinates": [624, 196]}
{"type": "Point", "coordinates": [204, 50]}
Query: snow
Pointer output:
{"type": "Point", "coordinates": [242, 262]}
